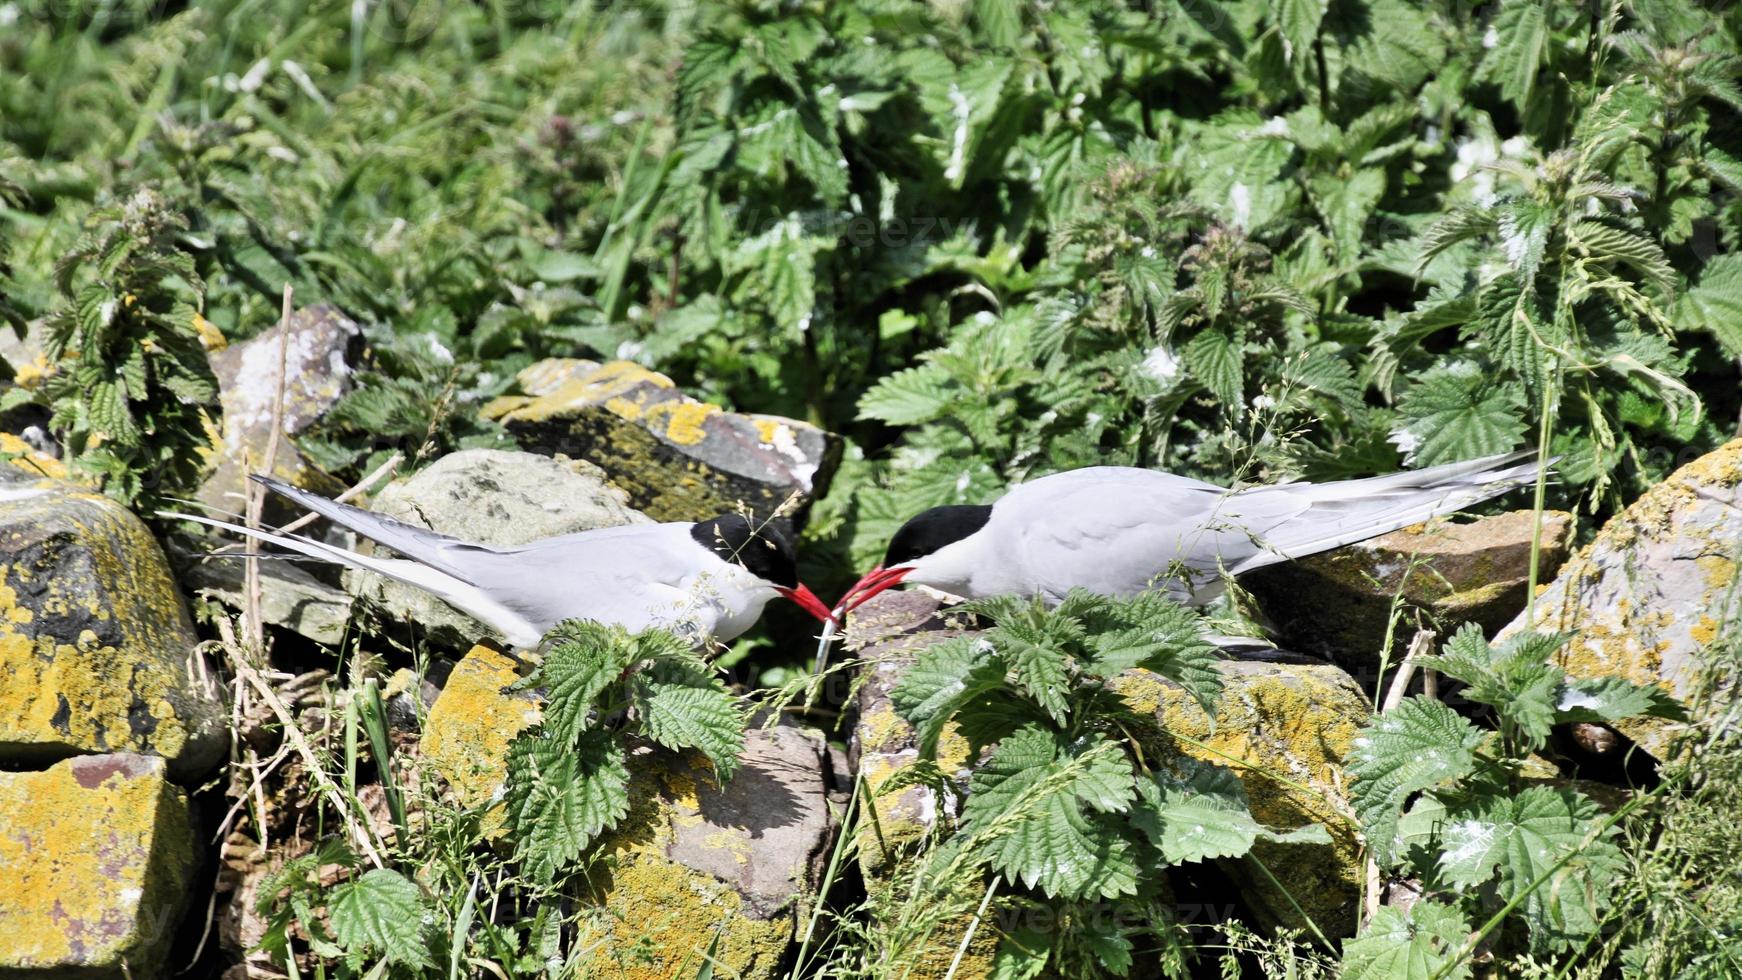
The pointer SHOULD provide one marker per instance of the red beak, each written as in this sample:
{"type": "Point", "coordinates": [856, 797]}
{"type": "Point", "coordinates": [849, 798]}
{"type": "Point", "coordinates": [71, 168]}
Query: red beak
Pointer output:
{"type": "Point", "coordinates": [873, 582]}
{"type": "Point", "coordinates": [807, 600]}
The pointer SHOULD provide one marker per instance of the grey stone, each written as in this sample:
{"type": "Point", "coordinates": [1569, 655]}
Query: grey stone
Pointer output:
{"type": "Point", "coordinates": [490, 496]}
{"type": "Point", "coordinates": [290, 597]}
{"type": "Point", "coordinates": [1653, 592]}
{"type": "Point", "coordinates": [317, 373]}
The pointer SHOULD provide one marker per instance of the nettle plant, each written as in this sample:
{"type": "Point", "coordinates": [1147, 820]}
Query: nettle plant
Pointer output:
{"type": "Point", "coordinates": [132, 394]}
{"type": "Point", "coordinates": [1062, 804]}
{"type": "Point", "coordinates": [1448, 804]}
{"type": "Point", "coordinates": [607, 689]}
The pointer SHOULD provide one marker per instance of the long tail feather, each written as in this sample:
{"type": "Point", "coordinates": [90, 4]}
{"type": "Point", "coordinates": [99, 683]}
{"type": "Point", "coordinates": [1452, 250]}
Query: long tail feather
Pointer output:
{"type": "Point", "coordinates": [1356, 510]}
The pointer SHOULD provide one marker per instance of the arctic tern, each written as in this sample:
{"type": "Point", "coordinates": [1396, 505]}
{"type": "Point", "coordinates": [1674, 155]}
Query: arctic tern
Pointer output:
{"type": "Point", "coordinates": [708, 579]}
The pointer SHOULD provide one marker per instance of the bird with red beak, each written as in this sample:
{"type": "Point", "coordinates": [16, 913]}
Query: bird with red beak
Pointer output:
{"type": "Point", "coordinates": [1119, 531]}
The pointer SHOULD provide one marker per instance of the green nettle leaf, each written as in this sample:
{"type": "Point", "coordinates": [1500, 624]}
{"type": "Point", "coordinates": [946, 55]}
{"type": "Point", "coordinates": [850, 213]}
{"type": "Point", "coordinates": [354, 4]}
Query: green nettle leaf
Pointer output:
{"type": "Point", "coordinates": [1715, 305]}
{"type": "Point", "coordinates": [1151, 633]}
{"type": "Point", "coordinates": [1419, 744]}
{"type": "Point", "coordinates": [562, 795]}
{"type": "Point", "coordinates": [382, 911]}
{"type": "Point", "coordinates": [1034, 805]}
{"type": "Point", "coordinates": [910, 396]}
{"type": "Point", "coordinates": [1039, 658]}
{"type": "Point", "coordinates": [584, 658]}
{"type": "Point", "coordinates": [1420, 944]}
{"type": "Point", "coordinates": [1537, 830]}
{"type": "Point", "coordinates": [1214, 358]}
{"type": "Point", "coordinates": [685, 706]}
{"type": "Point", "coordinates": [1456, 413]}
{"type": "Point", "coordinates": [1522, 35]}
{"type": "Point", "coordinates": [946, 677]}
{"type": "Point", "coordinates": [1613, 698]}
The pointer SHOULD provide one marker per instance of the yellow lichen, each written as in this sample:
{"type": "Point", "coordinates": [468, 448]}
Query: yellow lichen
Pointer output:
{"type": "Point", "coordinates": [94, 852]}
{"type": "Point", "coordinates": [471, 725]}
{"type": "Point", "coordinates": [683, 420]}
{"type": "Point", "coordinates": [25, 457]}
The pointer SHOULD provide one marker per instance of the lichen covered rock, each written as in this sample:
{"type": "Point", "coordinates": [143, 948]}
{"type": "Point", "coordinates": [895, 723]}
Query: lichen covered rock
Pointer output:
{"type": "Point", "coordinates": [474, 719]}
{"type": "Point", "coordinates": [95, 644]}
{"type": "Point", "coordinates": [95, 856]}
{"type": "Point", "coordinates": [490, 496]}
{"type": "Point", "coordinates": [694, 861]}
{"type": "Point", "coordinates": [679, 459]}
{"type": "Point", "coordinates": [1284, 726]}
{"type": "Point", "coordinates": [317, 343]}
{"type": "Point", "coordinates": [1654, 589]}
{"type": "Point", "coordinates": [1337, 604]}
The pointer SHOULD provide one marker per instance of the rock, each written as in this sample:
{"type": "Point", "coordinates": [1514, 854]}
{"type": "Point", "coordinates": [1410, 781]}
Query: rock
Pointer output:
{"type": "Point", "coordinates": [96, 854]}
{"type": "Point", "coordinates": [473, 721]}
{"type": "Point", "coordinates": [889, 633]}
{"type": "Point", "coordinates": [1281, 713]}
{"type": "Point", "coordinates": [317, 373]}
{"type": "Point", "coordinates": [1653, 590]}
{"type": "Point", "coordinates": [489, 496]}
{"type": "Point", "coordinates": [692, 860]}
{"type": "Point", "coordinates": [680, 459]}
{"type": "Point", "coordinates": [1284, 726]}
{"type": "Point", "coordinates": [290, 597]}
{"type": "Point", "coordinates": [95, 644]}
{"type": "Point", "coordinates": [1337, 604]}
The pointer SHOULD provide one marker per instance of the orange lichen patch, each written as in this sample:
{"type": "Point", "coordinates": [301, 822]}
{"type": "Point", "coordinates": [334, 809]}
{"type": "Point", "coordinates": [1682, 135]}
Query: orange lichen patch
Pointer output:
{"type": "Point", "coordinates": [34, 372]}
{"type": "Point", "coordinates": [95, 853]}
{"type": "Point", "coordinates": [472, 723]}
{"type": "Point", "coordinates": [211, 338]}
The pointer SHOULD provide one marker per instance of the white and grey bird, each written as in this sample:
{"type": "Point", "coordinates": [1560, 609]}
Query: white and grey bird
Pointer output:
{"type": "Point", "coordinates": [706, 579]}
{"type": "Point", "coordinates": [1120, 531]}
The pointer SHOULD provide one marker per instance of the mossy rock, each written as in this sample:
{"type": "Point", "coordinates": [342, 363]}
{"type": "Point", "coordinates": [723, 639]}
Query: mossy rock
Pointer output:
{"type": "Point", "coordinates": [1284, 726]}
{"type": "Point", "coordinates": [1337, 604]}
{"type": "Point", "coordinates": [96, 854]}
{"type": "Point", "coordinates": [1654, 590]}
{"type": "Point", "coordinates": [692, 860]}
{"type": "Point", "coordinates": [680, 459]}
{"type": "Point", "coordinates": [95, 643]}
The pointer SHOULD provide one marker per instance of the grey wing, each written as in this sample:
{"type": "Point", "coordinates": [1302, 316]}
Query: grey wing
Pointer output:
{"type": "Point", "coordinates": [1119, 531]}
{"type": "Point", "coordinates": [432, 548]}
{"type": "Point", "coordinates": [631, 575]}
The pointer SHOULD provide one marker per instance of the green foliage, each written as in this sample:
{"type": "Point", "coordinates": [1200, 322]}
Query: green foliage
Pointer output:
{"type": "Point", "coordinates": [382, 912]}
{"type": "Point", "coordinates": [132, 394]}
{"type": "Point", "coordinates": [1441, 800]}
{"type": "Point", "coordinates": [568, 778]}
{"type": "Point", "coordinates": [1060, 804]}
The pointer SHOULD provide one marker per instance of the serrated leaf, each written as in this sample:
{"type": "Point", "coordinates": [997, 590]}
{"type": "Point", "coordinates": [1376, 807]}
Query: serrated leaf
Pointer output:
{"type": "Point", "coordinates": [1420, 944]}
{"type": "Point", "coordinates": [1214, 358]}
{"type": "Point", "coordinates": [909, 396]}
{"type": "Point", "coordinates": [1457, 414]}
{"type": "Point", "coordinates": [1521, 33]}
{"type": "Point", "coordinates": [1536, 830]}
{"type": "Point", "coordinates": [1033, 806]}
{"type": "Point", "coordinates": [1613, 698]}
{"type": "Point", "coordinates": [383, 912]}
{"type": "Point", "coordinates": [1038, 654]}
{"type": "Point", "coordinates": [582, 660]}
{"type": "Point", "coordinates": [1419, 744]}
{"type": "Point", "coordinates": [944, 678]}
{"type": "Point", "coordinates": [1715, 304]}
{"type": "Point", "coordinates": [683, 706]}
{"type": "Point", "coordinates": [1606, 243]}
{"type": "Point", "coordinates": [1201, 816]}
{"type": "Point", "coordinates": [562, 795]}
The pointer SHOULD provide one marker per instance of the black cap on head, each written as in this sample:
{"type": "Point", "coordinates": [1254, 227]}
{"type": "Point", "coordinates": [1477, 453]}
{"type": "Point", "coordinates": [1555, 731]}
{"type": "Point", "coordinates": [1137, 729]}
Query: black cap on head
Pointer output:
{"type": "Point", "coordinates": [764, 550]}
{"type": "Point", "coordinates": [931, 530]}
